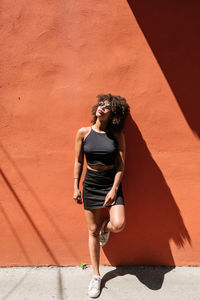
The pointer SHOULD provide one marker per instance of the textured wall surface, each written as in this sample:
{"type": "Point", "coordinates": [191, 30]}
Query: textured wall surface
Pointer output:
{"type": "Point", "coordinates": [56, 56]}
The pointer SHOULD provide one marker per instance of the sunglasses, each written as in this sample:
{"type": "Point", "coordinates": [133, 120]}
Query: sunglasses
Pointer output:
{"type": "Point", "coordinates": [107, 106]}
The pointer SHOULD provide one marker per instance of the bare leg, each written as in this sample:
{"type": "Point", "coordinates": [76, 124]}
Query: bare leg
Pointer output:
{"type": "Point", "coordinates": [117, 219]}
{"type": "Point", "coordinates": [94, 225]}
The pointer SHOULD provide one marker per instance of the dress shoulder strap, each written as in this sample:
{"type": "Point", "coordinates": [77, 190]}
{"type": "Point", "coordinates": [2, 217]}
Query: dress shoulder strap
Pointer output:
{"type": "Point", "coordinates": [87, 134]}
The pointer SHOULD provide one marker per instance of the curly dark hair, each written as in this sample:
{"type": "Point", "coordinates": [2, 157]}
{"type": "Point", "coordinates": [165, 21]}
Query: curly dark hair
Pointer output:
{"type": "Point", "coordinates": [119, 111]}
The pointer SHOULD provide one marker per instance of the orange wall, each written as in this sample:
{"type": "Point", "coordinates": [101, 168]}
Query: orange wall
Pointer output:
{"type": "Point", "coordinates": [56, 56]}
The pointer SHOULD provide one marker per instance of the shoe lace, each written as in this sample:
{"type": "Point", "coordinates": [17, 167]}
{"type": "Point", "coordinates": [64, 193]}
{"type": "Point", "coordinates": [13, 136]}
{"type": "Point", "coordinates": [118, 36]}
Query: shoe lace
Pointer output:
{"type": "Point", "coordinates": [102, 240]}
{"type": "Point", "coordinates": [103, 236]}
{"type": "Point", "coordinates": [94, 283]}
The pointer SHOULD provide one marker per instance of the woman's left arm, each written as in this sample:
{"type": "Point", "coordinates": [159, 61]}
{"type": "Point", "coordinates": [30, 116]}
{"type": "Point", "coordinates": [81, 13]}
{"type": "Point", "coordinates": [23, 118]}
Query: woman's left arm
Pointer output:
{"type": "Point", "coordinates": [111, 196]}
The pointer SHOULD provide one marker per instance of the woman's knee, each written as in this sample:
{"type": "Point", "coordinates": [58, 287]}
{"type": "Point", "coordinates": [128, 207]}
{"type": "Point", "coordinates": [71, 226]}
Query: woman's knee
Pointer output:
{"type": "Point", "coordinates": [118, 225]}
{"type": "Point", "coordinates": [94, 230]}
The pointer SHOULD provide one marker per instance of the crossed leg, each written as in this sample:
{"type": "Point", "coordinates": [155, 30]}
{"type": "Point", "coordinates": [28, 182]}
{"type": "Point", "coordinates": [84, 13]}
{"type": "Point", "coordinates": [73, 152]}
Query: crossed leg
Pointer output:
{"type": "Point", "coordinates": [117, 219]}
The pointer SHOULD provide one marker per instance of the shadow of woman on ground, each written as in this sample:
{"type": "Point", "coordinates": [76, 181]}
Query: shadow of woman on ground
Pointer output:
{"type": "Point", "coordinates": [150, 276]}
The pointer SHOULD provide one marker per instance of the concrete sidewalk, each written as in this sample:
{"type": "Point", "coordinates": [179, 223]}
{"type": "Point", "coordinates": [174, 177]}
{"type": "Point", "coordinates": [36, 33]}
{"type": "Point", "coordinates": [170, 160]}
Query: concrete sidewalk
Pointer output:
{"type": "Point", "coordinates": [44, 283]}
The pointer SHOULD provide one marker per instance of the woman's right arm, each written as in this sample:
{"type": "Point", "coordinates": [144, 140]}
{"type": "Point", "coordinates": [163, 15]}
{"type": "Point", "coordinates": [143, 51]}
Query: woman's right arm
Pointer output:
{"type": "Point", "coordinates": [78, 165]}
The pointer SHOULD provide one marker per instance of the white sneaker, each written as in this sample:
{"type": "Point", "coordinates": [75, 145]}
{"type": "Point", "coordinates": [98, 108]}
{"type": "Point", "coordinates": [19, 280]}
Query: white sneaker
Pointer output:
{"type": "Point", "coordinates": [104, 236]}
{"type": "Point", "coordinates": [94, 286]}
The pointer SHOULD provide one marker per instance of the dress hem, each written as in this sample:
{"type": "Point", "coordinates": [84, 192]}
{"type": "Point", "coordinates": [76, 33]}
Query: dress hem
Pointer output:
{"type": "Point", "coordinates": [99, 207]}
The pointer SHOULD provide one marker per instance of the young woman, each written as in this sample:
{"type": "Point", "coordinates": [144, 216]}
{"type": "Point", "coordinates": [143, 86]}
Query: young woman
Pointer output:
{"type": "Point", "coordinates": [104, 147]}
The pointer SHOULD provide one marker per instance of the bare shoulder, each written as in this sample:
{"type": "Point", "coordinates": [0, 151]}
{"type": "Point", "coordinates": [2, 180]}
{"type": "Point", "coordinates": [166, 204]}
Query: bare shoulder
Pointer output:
{"type": "Point", "coordinates": [82, 132]}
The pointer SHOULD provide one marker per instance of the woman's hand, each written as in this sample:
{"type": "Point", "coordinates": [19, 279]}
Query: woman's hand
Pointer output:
{"type": "Point", "coordinates": [110, 197]}
{"type": "Point", "coordinates": [77, 196]}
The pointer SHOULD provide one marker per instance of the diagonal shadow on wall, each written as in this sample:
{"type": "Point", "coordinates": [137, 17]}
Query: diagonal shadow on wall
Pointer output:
{"type": "Point", "coordinates": [153, 217]}
{"type": "Point", "coordinates": [15, 233]}
{"type": "Point", "coordinates": [35, 197]}
{"type": "Point", "coordinates": [29, 218]}
{"type": "Point", "coordinates": [36, 229]}
{"type": "Point", "coordinates": [172, 30]}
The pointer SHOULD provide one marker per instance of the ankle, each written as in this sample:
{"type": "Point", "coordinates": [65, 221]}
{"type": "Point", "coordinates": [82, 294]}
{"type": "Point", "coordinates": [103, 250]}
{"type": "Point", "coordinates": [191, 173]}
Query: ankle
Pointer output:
{"type": "Point", "coordinates": [96, 274]}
